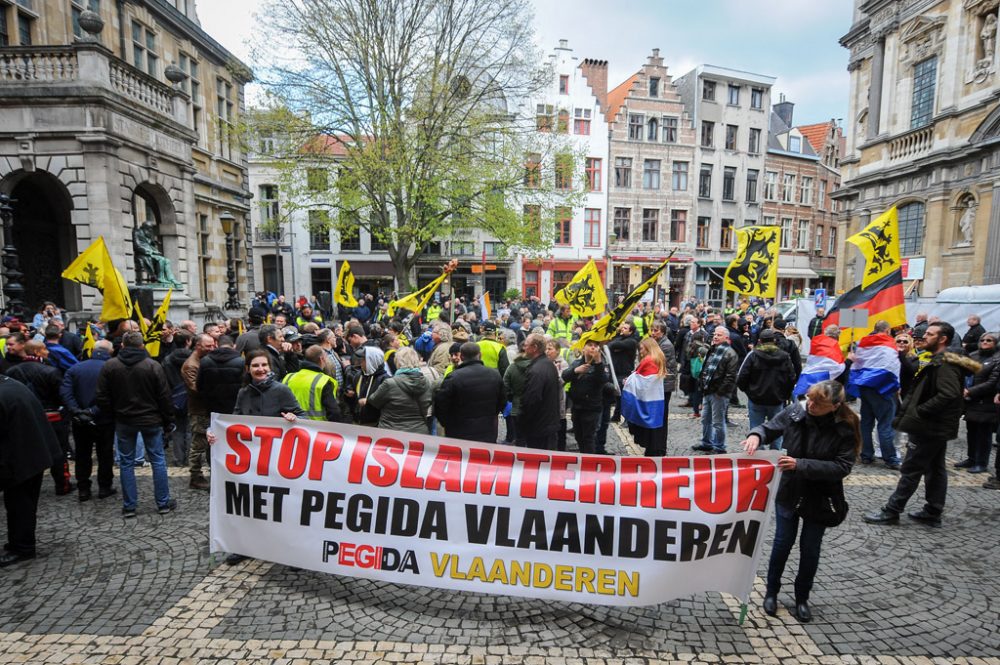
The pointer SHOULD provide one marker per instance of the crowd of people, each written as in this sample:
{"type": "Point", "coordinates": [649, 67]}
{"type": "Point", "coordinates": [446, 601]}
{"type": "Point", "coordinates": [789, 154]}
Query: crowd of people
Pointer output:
{"type": "Point", "coordinates": [450, 371]}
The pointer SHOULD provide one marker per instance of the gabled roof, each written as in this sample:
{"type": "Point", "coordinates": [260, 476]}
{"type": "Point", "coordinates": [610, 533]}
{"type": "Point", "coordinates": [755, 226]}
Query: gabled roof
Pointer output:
{"type": "Point", "coordinates": [616, 98]}
{"type": "Point", "coordinates": [816, 134]}
{"type": "Point", "coordinates": [330, 145]}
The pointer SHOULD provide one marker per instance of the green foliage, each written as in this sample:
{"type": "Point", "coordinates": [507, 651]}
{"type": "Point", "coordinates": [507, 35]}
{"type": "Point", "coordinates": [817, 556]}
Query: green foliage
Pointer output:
{"type": "Point", "coordinates": [512, 294]}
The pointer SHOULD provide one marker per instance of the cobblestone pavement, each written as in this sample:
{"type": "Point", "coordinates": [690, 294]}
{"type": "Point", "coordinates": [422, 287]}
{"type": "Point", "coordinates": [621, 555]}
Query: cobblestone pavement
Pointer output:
{"type": "Point", "coordinates": [105, 590]}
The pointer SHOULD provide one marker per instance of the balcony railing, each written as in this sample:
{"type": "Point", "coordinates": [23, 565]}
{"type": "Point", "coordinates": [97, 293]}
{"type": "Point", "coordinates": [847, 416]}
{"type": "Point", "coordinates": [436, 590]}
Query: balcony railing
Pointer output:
{"type": "Point", "coordinates": [912, 144]}
{"type": "Point", "coordinates": [50, 63]}
{"type": "Point", "coordinates": [269, 235]}
{"type": "Point", "coordinates": [141, 88]}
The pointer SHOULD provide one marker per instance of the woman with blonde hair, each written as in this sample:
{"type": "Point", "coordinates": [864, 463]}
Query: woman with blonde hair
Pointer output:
{"type": "Point", "coordinates": [652, 362]}
{"type": "Point", "coordinates": [404, 400]}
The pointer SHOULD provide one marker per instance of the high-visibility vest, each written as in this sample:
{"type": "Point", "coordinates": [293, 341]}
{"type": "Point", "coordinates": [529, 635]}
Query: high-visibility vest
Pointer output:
{"type": "Point", "coordinates": [449, 369]}
{"type": "Point", "coordinates": [640, 325]}
{"type": "Point", "coordinates": [490, 350]}
{"type": "Point", "coordinates": [562, 329]}
{"type": "Point", "coordinates": [307, 386]}
{"type": "Point", "coordinates": [433, 312]}
{"type": "Point", "coordinates": [3, 347]}
{"type": "Point", "coordinates": [316, 318]}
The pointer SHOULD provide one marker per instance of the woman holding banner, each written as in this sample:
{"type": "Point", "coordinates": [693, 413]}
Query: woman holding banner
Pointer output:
{"type": "Point", "coordinates": [822, 440]}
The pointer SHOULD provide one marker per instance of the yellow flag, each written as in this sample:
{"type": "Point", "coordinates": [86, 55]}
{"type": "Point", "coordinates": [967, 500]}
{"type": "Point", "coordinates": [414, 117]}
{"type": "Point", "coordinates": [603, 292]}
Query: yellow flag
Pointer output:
{"type": "Point", "coordinates": [88, 341]}
{"type": "Point", "coordinates": [417, 300]}
{"type": "Point", "coordinates": [94, 268]}
{"type": "Point", "coordinates": [879, 242]}
{"type": "Point", "coordinates": [344, 293]}
{"type": "Point", "coordinates": [647, 323]}
{"type": "Point", "coordinates": [607, 326]}
{"type": "Point", "coordinates": [142, 320]}
{"type": "Point", "coordinates": [152, 334]}
{"type": "Point", "coordinates": [754, 270]}
{"type": "Point", "coordinates": [604, 330]}
{"type": "Point", "coordinates": [585, 293]}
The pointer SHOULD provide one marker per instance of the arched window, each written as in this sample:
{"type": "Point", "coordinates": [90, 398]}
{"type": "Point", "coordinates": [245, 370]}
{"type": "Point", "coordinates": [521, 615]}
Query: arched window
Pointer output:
{"type": "Point", "coordinates": [653, 130]}
{"type": "Point", "coordinates": [911, 228]}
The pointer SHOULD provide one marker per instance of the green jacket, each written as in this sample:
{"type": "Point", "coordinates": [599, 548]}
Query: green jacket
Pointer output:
{"type": "Point", "coordinates": [513, 382]}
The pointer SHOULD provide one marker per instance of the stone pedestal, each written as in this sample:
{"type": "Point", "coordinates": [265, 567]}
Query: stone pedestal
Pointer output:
{"type": "Point", "coordinates": [150, 297]}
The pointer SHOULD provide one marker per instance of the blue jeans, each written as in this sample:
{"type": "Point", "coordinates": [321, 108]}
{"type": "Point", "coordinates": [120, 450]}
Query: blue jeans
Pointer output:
{"type": "Point", "coordinates": [881, 409]}
{"type": "Point", "coordinates": [140, 452]}
{"type": "Point", "coordinates": [153, 438]}
{"type": "Point", "coordinates": [760, 414]}
{"type": "Point", "coordinates": [786, 528]}
{"type": "Point", "coordinates": [713, 421]}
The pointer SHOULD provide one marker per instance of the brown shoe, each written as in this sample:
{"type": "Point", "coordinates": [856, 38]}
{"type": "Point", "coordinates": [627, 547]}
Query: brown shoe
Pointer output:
{"type": "Point", "coordinates": [199, 483]}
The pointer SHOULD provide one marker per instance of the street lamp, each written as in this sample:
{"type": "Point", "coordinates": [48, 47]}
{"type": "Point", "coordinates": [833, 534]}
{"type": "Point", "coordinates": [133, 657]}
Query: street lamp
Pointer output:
{"type": "Point", "coordinates": [13, 291]}
{"type": "Point", "coordinates": [228, 220]}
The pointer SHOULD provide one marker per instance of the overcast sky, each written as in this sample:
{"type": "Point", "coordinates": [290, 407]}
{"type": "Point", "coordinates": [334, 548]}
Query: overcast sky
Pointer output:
{"type": "Point", "coordinates": [793, 40]}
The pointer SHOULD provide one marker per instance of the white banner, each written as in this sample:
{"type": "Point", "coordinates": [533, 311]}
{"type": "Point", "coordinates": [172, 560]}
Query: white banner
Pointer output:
{"type": "Point", "coordinates": [438, 512]}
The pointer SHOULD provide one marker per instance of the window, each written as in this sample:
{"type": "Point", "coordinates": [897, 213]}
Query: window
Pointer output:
{"type": "Point", "coordinates": [704, 226]}
{"type": "Point", "coordinates": [788, 187]}
{"type": "Point", "coordinates": [269, 211]}
{"type": "Point", "coordinates": [319, 230]}
{"type": "Point", "coordinates": [533, 216]}
{"type": "Point", "coordinates": [768, 220]}
{"type": "Point", "coordinates": [786, 233]}
{"type": "Point", "coordinates": [806, 191]}
{"type": "Point", "coordinates": [564, 171]}
{"type": "Point", "coordinates": [802, 237]}
{"type": "Point", "coordinates": [224, 98]}
{"type": "Point", "coordinates": [24, 24]}
{"type": "Point", "coordinates": [636, 125]}
{"type": "Point", "coordinates": [530, 283]}
{"type": "Point", "coordinates": [726, 236]}
{"type": "Point", "coordinates": [533, 170]}
{"type": "Point", "coordinates": [581, 121]}
{"type": "Point", "coordinates": [653, 130]}
{"type": "Point", "coordinates": [592, 227]}
{"type": "Point", "coordinates": [564, 85]}
{"type": "Point", "coordinates": [707, 134]}
{"type": "Point", "coordinates": [463, 248]}
{"type": "Point", "coordinates": [593, 174]}
{"type": "Point", "coordinates": [623, 172]}
{"type": "Point", "coordinates": [492, 248]}
{"type": "Point", "coordinates": [620, 277]}
{"type": "Point", "coordinates": [669, 130]}
{"type": "Point", "coordinates": [753, 146]}
{"type": "Point", "coordinates": [623, 220]}
{"type": "Point", "coordinates": [679, 178]}
{"type": "Point", "coordinates": [705, 181]}
{"type": "Point", "coordinates": [317, 180]}
{"type": "Point", "coordinates": [708, 90]}
{"type": "Point", "coordinates": [651, 174]}
{"type": "Point", "coordinates": [76, 7]}
{"type": "Point", "coordinates": [924, 78]}
{"type": "Point", "coordinates": [731, 131]}
{"type": "Point", "coordinates": [678, 226]}
{"type": "Point", "coordinates": [204, 251]}
{"type": "Point", "coordinates": [729, 184]}
{"type": "Point", "coordinates": [564, 225]}
{"type": "Point", "coordinates": [562, 125]}
{"type": "Point", "coordinates": [752, 175]}
{"type": "Point", "coordinates": [911, 229]}
{"type": "Point", "coordinates": [770, 185]}
{"type": "Point", "coordinates": [832, 248]}
{"type": "Point", "coordinates": [794, 144]}
{"type": "Point", "coordinates": [560, 278]}
{"type": "Point", "coordinates": [821, 195]}
{"type": "Point", "coordinates": [4, 31]}
{"type": "Point", "coordinates": [734, 94]}
{"type": "Point", "coordinates": [143, 48]}
{"type": "Point", "coordinates": [543, 117]}
{"type": "Point", "coordinates": [192, 86]}
{"type": "Point", "coordinates": [818, 243]}
{"type": "Point", "coordinates": [650, 224]}
{"type": "Point", "coordinates": [350, 241]}
{"type": "Point", "coordinates": [654, 86]}
{"type": "Point", "coordinates": [756, 98]}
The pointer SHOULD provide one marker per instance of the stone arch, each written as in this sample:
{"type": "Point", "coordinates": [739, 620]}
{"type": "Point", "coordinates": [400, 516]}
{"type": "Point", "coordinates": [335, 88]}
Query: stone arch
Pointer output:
{"type": "Point", "coordinates": [988, 129]}
{"type": "Point", "coordinates": [151, 202]}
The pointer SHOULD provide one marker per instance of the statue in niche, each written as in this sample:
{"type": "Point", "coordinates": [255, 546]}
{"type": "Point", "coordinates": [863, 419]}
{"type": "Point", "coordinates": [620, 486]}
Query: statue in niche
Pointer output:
{"type": "Point", "coordinates": [988, 35]}
{"type": "Point", "coordinates": [967, 222]}
{"type": "Point", "coordinates": [151, 266]}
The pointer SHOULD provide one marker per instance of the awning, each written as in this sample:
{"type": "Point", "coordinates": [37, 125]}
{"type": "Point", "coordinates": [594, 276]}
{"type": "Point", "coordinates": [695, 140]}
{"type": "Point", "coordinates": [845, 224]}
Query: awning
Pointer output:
{"type": "Point", "coordinates": [797, 273]}
{"type": "Point", "coordinates": [826, 273]}
{"type": "Point", "coordinates": [371, 268]}
{"type": "Point", "coordinates": [712, 264]}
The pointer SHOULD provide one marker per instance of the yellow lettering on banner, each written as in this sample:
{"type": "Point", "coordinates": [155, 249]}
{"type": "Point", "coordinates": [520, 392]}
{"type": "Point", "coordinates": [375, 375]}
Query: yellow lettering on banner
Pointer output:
{"type": "Point", "coordinates": [498, 572]}
{"type": "Point", "coordinates": [520, 573]}
{"type": "Point", "coordinates": [455, 574]}
{"type": "Point", "coordinates": [542, 576]}
{"type": "Point", "coordinates": [605, 581]}
{"type": "Point", "coordinates": [564, 578]}
{"type": "Point", "coordinates": [584, 579]}
{"type": "Point", "coordinates": [628, 582]}
{"type": "Point", "coordinates": [439, 564]}
{"type": "Point", "coordinates": [477, 571]}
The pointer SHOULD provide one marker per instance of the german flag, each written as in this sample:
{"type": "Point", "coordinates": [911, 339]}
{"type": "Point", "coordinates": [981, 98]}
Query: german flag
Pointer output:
{"type": "Point", "coordinates": [883, 299]}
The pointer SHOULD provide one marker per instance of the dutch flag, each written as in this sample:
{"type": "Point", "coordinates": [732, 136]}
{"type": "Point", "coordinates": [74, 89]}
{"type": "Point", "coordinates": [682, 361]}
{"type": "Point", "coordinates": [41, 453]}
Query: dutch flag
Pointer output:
{"type": "Point", "coordinates": [825, 362]}
{"type": "Point", "coordinates": [642, 400]}
{"type": "Point", "coordinates": [876, 365]}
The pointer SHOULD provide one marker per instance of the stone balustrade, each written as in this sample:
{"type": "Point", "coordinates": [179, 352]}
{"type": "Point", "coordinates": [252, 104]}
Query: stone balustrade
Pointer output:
{"type": "Point", "coordinates": [141, 88]}
{"type": "Point", "coordinates": [912, 144]}
{"type": "Point", "coordinates": [38, 63]}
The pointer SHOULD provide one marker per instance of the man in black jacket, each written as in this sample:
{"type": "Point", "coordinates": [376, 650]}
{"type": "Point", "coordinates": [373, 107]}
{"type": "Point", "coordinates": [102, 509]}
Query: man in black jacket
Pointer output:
{"type": "Point", "coordinates": [970, 341]}
{"type": "Point", "coordinates": [590, 383]}
{"type": "Point", "coordinates": [28, 446]}
{"type": "Point", "coordinates": [470, 398]}
{"type": "Point", "coordinates": [538, 422]}
{"type": "Point", "coordinates": [220, 377]}
{"type": "Point", "coordinates": [623, 349]}
{"type": "Point", "coordinates": [173, 363]}
{"type": "Point", "coordinates": [767, 377]}
{"type": "Point", "coordinates": [92, 429]}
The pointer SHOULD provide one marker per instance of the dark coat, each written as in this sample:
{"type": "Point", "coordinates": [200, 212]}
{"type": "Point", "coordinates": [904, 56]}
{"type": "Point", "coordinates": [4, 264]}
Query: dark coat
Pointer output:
{"type": "Point", "coordinates": [79, 387]}
{"type": "Point", "coordinates": [823, 448]}
{"type": "Point", "coordinates": [133, 388]}
{"type": "Point", "coordinates": [468, 401]}
{"type": "Point", "coordinates": [670, 355]}
{"type": "Point", "coordinates": [623, 352]}
{"type": "Point", "coordinates": [589, 389]}
{"type": "Point", "coordinates": [738, 343]}
{"type": "Point", "coordinates": [172, 366]}
{"type": "Point", "coordinates": [934, 406]}
{"type": "Point", "coordinates": [43, 380]}
{"type": "Point", "coordinates": [220, 377]}
{"type": "Point", "coordinates": [789, 347]}
{"type": "Point", "coordinates": [28, 444]}
{"type": "Point", "coordinates": [767, 376]}
{"type": "Point", "coordinates": [970, 340]}
{"type": "Point", "coordinates": [277, 362]}
{"type": "Point", "coordinates": [268, 398]}
{"type": "Point", "coordinates": [513, 383]}
{"type": "Point", "coordinates": [540, 402]}
{"type": "Point", "coordinates": [908, 365]}
{"type": "Point", "coordinates": [979, 406]}
{"type": "Point", "coordinates": [723, 379]}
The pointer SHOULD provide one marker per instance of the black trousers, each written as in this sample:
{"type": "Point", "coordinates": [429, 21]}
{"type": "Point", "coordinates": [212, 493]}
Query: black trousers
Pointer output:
{"type": "Point", "coordinates": [585, 423]}
{"type": "Point", "coordinates": [89, 438]}
{"type": "Point", "coordinates": [60, 466]}
{"type": "Point", "coordinates": [21, 503]}
{"type": "Point", "coordinates": [540, 441]}
{"type": "Point", "coordinates": [924, 459]}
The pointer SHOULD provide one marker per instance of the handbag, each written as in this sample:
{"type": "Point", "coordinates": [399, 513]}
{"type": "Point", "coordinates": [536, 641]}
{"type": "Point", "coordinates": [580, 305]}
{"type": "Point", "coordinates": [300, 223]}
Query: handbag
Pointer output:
{"type": "Point", "coordinates": [823, 503]}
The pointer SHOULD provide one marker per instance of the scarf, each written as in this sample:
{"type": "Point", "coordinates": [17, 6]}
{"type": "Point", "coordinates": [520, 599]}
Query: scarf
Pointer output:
{"type": "Point", "coordinates": [712, 364]}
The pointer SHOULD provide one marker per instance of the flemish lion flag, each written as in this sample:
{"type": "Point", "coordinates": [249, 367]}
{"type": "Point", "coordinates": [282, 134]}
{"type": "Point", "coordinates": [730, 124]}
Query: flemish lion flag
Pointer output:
{"type": "Point", "coordinates": [416, 301]}
{"type": "Point", "coordinates": [754, 270]}
{"type": "Point", "coordinates": [88, 341]}
{"type": "Point", "coordinates": [344, 293]}
{"type": "Point", "coordinates": [94, 268]}
{"type": "Point", "coordinates": [607, 325]}
{"type": "Point", "coordinates": [585, 293]}
{"type": "Point", "coordinates": [879, 242]}
{"type": "Point", "coordinates": [152, 334]}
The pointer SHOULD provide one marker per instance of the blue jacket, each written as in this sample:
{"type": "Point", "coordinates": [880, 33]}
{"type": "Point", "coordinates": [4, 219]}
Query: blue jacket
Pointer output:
{"type": "Point", "coordinates": [79, 386]}
{"type": "Point", "coordinates": [60, 356]}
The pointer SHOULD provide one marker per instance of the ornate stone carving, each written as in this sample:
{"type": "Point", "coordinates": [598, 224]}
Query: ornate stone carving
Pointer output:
{"type": "Point", "coordinates": [966, 221]}
{"type": "Point", "coordinates": [921, 38]}
{"type": "Point", "coordinates": [151, 266]}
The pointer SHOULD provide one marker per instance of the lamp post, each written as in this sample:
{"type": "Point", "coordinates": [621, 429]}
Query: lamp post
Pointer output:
{"type": "Point", "coordinates": [608, 276]}
{"type": "Point", "coordinates": [228, 220]}
{"type": "Point", "coordinates": [13, 291]}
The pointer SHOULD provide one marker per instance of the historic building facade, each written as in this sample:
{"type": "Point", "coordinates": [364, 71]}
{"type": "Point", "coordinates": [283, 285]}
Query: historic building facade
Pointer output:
{"type": "Point", "coordinates": [925, 122]}
{"type": "Point", "coordinates": [114, 115]}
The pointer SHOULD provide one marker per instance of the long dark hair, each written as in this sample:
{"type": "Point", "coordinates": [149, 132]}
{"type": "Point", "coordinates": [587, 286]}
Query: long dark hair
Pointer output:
{"type": "Point", "coordinates": [832, 392]}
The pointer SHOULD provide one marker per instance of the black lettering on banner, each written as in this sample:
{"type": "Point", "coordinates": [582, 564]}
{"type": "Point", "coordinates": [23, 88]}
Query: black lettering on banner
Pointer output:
{"type": "Point", "coordinates": [312, 502]}
{"type": "Point", "coordinates": [694, 536]}
{"type": "Point", "coordinates": [566, 534]}
{"type": "Point", "coordinates": [404, 517]}
{"type": "Point", "coordinates": [719, 539]}
{"type": "Point", "coordinates": [744, 536]}
{"type": "Point", "coordinates": [663, 540]}
{"type": "Point", "coordinates": [359, 515]}
{"type": "Point", "coordinates": [478, 523]}
{"type": "Point", "coordinates": [237, 499]}
{"type": "Point", "coordinates": [633, 538]}
{"type": "Point", "coordinates": [599, 534]}
{"type": "Point", "coordinates": [334, 510]}
{"type": "Point", "coordinates": [533, 531]}
{"type": "Point", "coordinates": [435, 522]}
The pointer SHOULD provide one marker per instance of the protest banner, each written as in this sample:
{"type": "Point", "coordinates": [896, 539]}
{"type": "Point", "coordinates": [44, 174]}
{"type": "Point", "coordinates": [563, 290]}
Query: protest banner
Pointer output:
{"type": "Point", "coordinates": [425, 510]}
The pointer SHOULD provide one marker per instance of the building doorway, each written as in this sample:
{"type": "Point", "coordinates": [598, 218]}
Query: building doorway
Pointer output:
{"type": "Point", "coordinates": [273, 268]}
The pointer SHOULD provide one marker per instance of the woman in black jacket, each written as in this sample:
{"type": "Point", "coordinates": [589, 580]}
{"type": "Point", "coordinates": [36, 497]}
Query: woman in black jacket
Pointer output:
{"type": "Point", "coordinates": [823, 440]}
{"type": "Point", "coordinates": [980, 411]}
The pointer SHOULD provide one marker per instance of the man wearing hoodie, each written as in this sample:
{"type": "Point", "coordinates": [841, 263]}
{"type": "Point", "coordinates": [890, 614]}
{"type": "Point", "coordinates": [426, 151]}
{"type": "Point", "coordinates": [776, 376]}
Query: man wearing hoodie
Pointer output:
{"type": "Point", "coordinates": [133, 389]}
{"type": "Point", "coordinates": [220, 377]}
{"type": "Point", "coordinates": [767, 377]}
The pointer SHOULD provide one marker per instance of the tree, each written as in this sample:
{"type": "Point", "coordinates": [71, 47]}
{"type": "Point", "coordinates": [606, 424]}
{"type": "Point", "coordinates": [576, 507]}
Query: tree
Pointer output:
{"type": "Point", "coordinates": [413, 104]}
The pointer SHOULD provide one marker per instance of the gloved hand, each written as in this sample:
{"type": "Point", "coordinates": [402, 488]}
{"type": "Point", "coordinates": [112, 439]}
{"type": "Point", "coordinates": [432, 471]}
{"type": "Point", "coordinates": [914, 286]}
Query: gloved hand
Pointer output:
{"type": "Point", "coordinates": [83, 417]}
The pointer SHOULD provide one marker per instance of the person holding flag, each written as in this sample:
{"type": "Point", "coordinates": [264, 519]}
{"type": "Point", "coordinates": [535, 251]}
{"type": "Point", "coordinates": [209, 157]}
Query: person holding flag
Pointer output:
{"type": "Point", "coordinates": [825, 361]}
{"type": "Point", "coordinates": [643, 402]}
{"type": "Point", "coordinates": [874, 378]}
{"type": "Point", "coordinates": [94, 268]}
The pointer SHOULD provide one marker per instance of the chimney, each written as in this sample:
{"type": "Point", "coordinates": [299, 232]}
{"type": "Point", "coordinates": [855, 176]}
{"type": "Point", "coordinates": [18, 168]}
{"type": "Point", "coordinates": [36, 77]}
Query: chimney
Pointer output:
{"type": "Point", "coordinates": [596, 74]}
{"type": "Point", "coordinates": [784, 110]}
{"type": "Point", "coordinates": [564, 44]}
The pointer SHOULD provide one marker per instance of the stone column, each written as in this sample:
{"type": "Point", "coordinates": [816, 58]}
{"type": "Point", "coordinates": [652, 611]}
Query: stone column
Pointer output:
{"type": "Point", "coordinates": [991, 269]}
{"type": "Point", "coordinates": [875, 88]}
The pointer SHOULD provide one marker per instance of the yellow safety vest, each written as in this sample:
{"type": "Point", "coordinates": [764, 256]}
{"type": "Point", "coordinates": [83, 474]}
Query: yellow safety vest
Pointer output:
{"type": "Point", "coordinates": [307, 386]}
{"type": "Point", "coordinates": [299, 321]}
{"type": "Point", "coordinates": [561, 329]}
{"type": "Point", "coordinates": [640, 325]}
{"type": "Point", "coordinates": [3, 347]}
{"type": "Point", "coordinates": [490, 350]}
{"type": "Point", "coordinates": [433, 312]}
{"type": "Point", "coordinates": [449, 369]}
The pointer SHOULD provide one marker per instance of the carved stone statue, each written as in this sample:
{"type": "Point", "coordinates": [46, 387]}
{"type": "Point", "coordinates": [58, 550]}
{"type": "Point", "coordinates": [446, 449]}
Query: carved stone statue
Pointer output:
{"type": "Point", "coordinates": [967, 222]}
{"type": "Point", "coordinates": [151, 265]}
{"type": "Point", "coordinates": [988, 35]}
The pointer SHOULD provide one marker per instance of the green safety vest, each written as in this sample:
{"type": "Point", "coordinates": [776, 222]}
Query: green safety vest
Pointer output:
{"type": "Point", "coordinates": [490, 351]}
{"type": "Point", "coordinates": [640, 325]}
{"type": "Point", "coordinates": [307, 386]}
{"type": "Point", "coordinates": [561, 329]}
{"type": "Point", "coordinates": [449, 369]}
{"type": "Point", "coordinates": [433, 312]}
{"type": "Point", "coordinates": [3, 347]}
{"type": "Point", "coordinates": [299, 321]}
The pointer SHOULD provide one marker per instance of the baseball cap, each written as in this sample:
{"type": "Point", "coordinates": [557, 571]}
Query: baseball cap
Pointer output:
{"type": "Point", "coordinates": [291, 334]}
{"type": "Point", "coordinates": [489, 326]}
{"type": "Point", "coordinates": [768, 335]}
